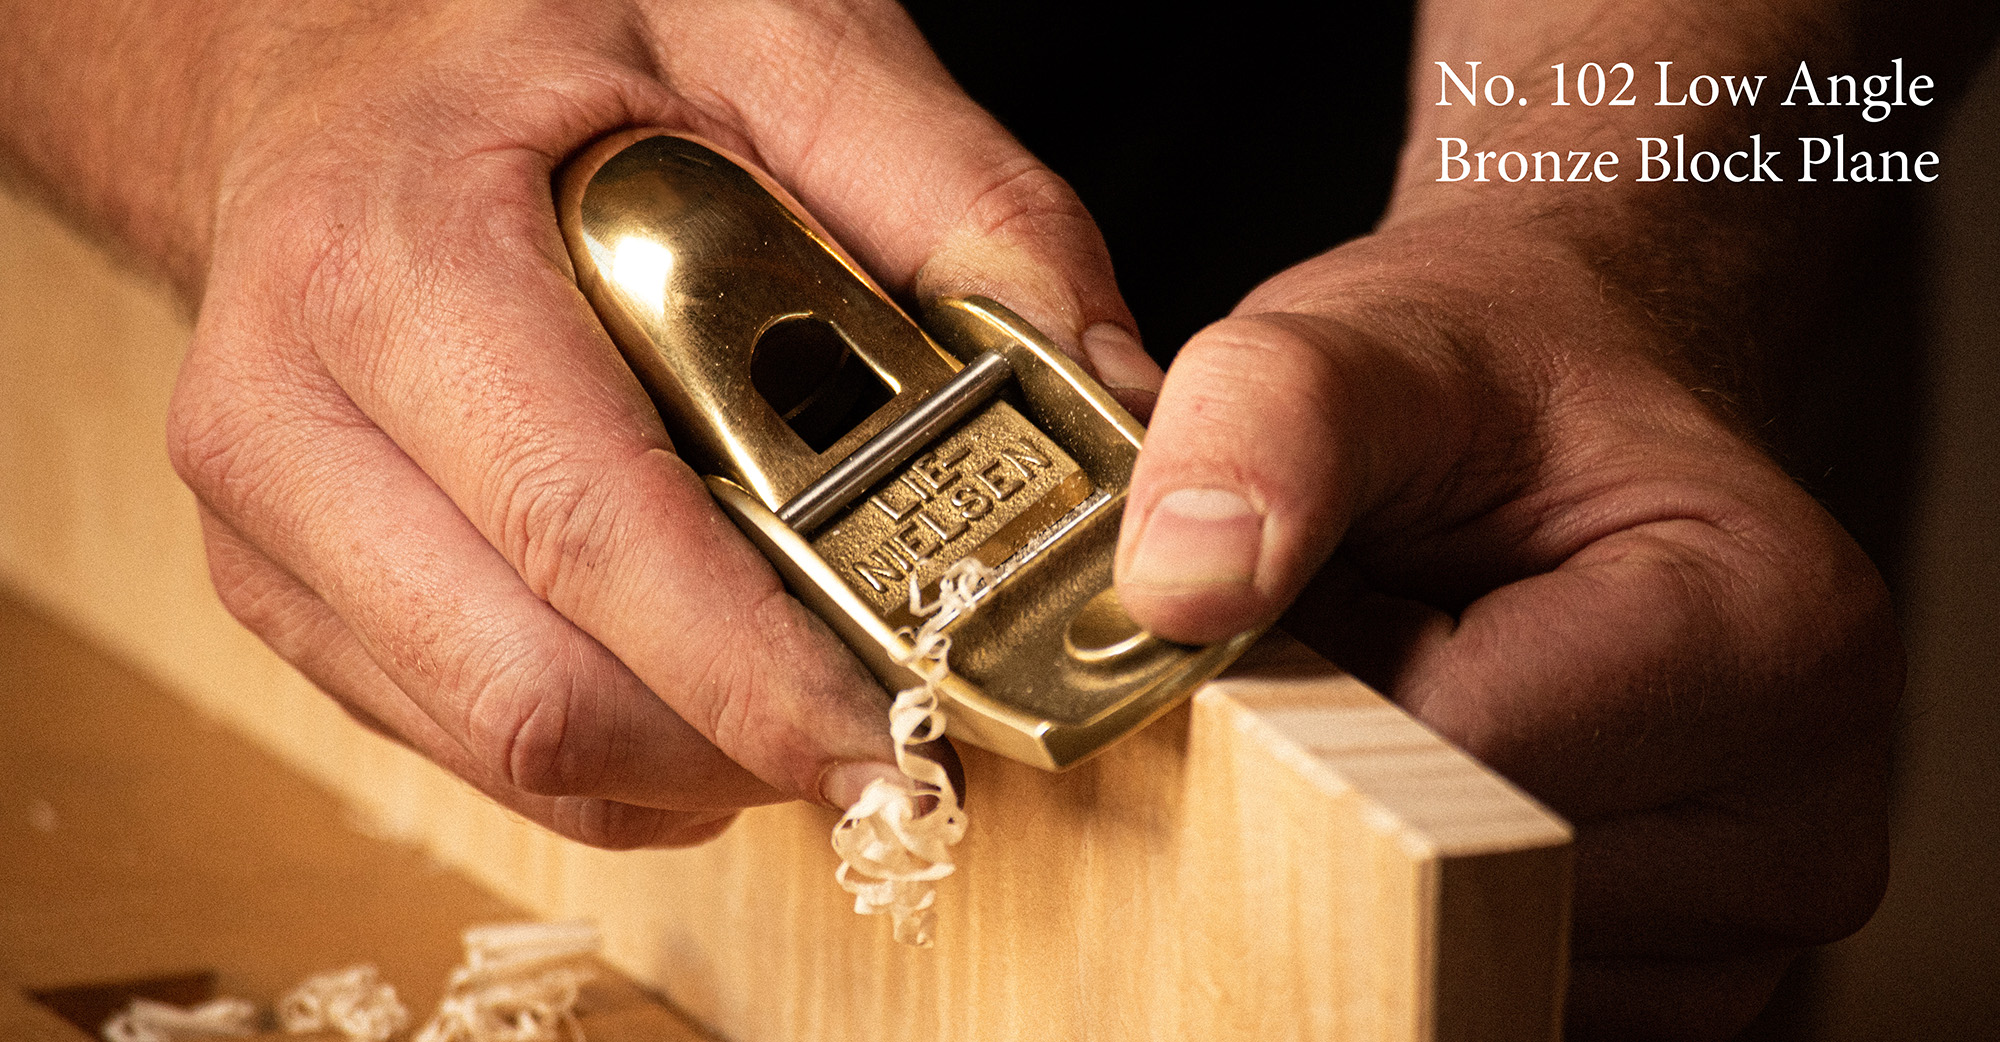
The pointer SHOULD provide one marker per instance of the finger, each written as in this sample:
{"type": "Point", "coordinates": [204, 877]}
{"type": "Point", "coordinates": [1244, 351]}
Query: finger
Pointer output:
{"type": "Point", "coordinates": [923, 186]}
{"type": "Point", "coordinates": [484, 364]}
{"type": "Point", "coordinates": [1270, 432]}
{"type": "Point", "coordinates": [302, 629]}
{"type": "Point", "coordinates": [1769, 867]}
{"type": "Point", "coordinates": [296, 624]}
{"type": "Point", "coordinates": [1651, 690]}
{"type": "Point", "coordinates": [1691, 863]}
{"type": "Point", "coordinates": [1664, 1000]}
{"type": "Point", "coordinates": [1673, 654]}
{"type": "Point", "coordinates": [548, 445]}
{"type": "Point", "coordinates": [509, 684]}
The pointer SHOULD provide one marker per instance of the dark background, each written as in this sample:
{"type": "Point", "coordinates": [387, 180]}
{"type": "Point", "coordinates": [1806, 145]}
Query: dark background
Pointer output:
{"type": "Point", "coordinates": [1201, 143]}
{"type": "Point", "coordinates": [1215, 150]}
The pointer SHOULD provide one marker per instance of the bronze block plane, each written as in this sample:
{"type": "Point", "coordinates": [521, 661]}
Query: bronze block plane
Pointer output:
{"type": "Point", "coordinates": [865, 454]}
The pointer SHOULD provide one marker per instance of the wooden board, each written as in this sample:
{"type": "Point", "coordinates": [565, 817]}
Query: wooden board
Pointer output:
{"type": "Point", "coordinates": [1291, 857]}
{"type": "Point", "coordinates": [138, 844]}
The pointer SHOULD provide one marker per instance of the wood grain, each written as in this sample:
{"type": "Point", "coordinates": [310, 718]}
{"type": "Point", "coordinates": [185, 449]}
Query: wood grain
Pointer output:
{"type": "Point", "coordinates": [137, 844]}
{"type": "Point", "coordinates": [1289, 857]}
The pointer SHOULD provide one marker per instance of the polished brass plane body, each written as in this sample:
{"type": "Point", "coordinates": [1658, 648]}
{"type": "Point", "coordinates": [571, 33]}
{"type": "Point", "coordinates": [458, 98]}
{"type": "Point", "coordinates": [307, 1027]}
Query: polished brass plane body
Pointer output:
{"type": "Point", "coordinates": [856, 452]}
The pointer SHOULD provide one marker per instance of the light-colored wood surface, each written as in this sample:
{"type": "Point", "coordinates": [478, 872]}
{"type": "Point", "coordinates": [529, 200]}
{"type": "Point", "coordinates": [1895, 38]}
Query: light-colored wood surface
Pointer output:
{"type": "Point", "coordinates": [137, 843]}
{"type": "Point", "coordinates": [1289, 858]}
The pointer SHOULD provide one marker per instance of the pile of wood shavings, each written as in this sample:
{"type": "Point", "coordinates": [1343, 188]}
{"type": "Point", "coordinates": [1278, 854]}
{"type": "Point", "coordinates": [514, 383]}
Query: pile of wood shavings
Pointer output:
{"type": "Point", "coordinates": [519, 983]}
{"type": "Point", "coordinates": [355, 1002]}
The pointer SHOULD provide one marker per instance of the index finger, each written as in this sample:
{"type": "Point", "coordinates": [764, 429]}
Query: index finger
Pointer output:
{"type": "Point", "coordinates": [447, 318]}
{"type": "Point", "coordinates": [531, 423]}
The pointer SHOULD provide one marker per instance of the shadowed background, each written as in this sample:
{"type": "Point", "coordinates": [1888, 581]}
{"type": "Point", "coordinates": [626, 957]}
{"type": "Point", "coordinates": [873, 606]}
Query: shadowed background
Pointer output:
{"type": "Point", "coordinates": [1205, 150]}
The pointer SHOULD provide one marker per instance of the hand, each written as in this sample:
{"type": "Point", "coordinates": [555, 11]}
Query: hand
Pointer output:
{"type": "Point", "coordinates": [1554, 552]}
{"type": "Point", "coordinates": [427, 479]}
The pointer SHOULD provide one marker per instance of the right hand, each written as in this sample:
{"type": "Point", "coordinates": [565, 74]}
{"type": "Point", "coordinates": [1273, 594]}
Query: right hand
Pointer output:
{"type": "Point", "coordinates": [426, 477]}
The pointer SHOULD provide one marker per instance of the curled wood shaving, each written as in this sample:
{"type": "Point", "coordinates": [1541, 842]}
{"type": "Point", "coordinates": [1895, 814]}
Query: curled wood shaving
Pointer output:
{"type": "Point", "coordinates": [146, 1020]}
{"type": "Point", "coordinates": [355, 1002]}
{"type": "Point", "coordinates": [895, 842]}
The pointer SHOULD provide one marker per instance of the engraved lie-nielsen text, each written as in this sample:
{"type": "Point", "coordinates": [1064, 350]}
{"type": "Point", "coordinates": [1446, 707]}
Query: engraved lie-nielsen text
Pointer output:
{"type": "Point", "coordinates": [980, 492]}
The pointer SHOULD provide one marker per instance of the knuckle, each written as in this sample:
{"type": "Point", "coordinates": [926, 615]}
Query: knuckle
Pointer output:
{"type": "Point", "coordinates": [250, 395]}
{"type": "Point", "coordinates": [1017, 231]}
{"type": "Point", "coordinates": [746, 699]}
{"type": "Point", "coordinates": [558, 523]}
{"type": "Point", "coordinates": [534, 726]}
{"type": "Point", "coordinates": [297, 251]}
{"type": "Point", "coordinates": [535, 752]}
{"type": "Point", "coordinates": [244, 589]}
{"type": "Point", "coordinates": [262, 442]}
{"type": "Point", "coordinates": [210, 429]}
{"type": "Point", "coordinates": [1862, 634]}
{"type": "Point", "coordinates": [1261, 355]}
{"type": "Point", "coordinates": [822, 25]}
{"type": "Point", "coordinates": [331, 270]}
{"type": "Point", "coordinates": [729, 687]}
{"type": "Point", "coordinates": [1022, 198]}
{"type": "Point", "coordinates": [1823, 617]}
{"type": "Point", "coordinates": [610, 825]}
{"type": "Point", "coordinates": [829, 43]}
{"type": "Point", "coordinates": [1241, 369]}
{"type": "Point", "coordinates": [239, 442]}
{"type": "Point", "coordinates": [1235, 382]}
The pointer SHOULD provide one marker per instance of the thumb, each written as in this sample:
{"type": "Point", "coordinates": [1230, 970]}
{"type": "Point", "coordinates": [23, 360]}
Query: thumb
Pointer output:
{"type": "Point", "coordinates": [998, 223]}
{"type": "Point", "coordinates": [935, 198]}
{"type": "Point", "coordinates": [1272, 432]}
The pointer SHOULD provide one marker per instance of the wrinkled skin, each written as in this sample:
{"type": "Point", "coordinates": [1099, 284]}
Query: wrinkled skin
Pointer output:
{"type": "Point", "coordinates": [1555, 555]}
{"type": "Point", "coordinates": [427, 478]}
{"type": "Point", "coordinates": [428, 481]}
